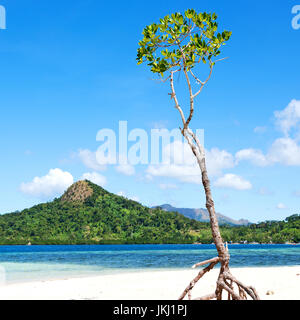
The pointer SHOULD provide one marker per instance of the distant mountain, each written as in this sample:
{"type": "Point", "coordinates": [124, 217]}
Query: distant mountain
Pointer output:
{"type": "Point", "coordinates": [202, 215]}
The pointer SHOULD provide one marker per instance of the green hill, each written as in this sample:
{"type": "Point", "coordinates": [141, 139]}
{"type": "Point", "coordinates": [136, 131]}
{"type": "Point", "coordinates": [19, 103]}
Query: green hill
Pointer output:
{"type": "Point", "coordinates": [86, 213]}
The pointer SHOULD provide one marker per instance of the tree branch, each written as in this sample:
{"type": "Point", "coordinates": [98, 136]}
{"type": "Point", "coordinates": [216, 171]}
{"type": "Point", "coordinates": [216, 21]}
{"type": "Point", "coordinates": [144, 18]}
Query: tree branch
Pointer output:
{"type": "Point", "coordinates": [174, 97]}
{"type": "Point", "coordinates": [216, 259]}
{"type": "Point", "coordinates": [189, 86]}
{"type": "Point", "coordinates": [203, 83]}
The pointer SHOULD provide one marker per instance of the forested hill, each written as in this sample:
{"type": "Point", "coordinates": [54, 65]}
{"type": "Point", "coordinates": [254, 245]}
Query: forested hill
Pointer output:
{"type": "Point", "coordinates": [88, 214]}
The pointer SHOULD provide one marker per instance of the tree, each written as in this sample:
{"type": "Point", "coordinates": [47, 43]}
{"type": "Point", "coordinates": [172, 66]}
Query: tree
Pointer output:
{"type": "Point", "coordinates": [179, 43]}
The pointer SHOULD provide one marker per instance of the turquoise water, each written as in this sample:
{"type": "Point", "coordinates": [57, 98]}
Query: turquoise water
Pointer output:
{"type": "Point", "coordinates": [27, 263]}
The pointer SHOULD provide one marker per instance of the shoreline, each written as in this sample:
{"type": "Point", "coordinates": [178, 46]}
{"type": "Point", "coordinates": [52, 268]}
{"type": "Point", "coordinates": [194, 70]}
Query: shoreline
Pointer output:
{"type": "Point", "coordinates": [282, 283]}
{"type": "Point", "coordinates": [124, 271]}
{"type": "Point", "coordinates": [143, 244]}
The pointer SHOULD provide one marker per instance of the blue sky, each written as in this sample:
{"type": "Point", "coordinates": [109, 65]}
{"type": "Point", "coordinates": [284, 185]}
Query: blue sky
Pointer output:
{"type": "Point", "coordinates": [68, 70]}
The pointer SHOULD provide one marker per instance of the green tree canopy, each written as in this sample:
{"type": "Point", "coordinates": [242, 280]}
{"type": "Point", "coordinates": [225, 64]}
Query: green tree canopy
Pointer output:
{"type": "Point", "coordinates": [181, 41]}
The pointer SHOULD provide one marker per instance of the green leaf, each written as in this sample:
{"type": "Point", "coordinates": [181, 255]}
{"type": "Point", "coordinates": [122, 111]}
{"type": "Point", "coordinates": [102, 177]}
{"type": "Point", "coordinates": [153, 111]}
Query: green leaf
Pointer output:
{"type": "Point", "coordinates": [160, 49]}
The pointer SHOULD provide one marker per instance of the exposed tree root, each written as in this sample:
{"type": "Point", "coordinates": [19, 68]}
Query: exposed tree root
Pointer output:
{"type": "Point", "coordinates": [207, 297]}
{"type": "Point", "coordinates": [196, 279]}
{"type": "Point", "coordinates": [225, 283]}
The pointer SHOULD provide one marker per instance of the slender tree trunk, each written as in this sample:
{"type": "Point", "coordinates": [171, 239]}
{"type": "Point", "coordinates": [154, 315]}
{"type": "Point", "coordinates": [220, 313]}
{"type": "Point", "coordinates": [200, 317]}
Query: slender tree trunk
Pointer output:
{"type": "Point", "coordinates": [223, 254]}
{"type": "Point", "coordinates": [212, 214]}
{"type": "Point", "coordinates": [225, 280]}
{"type": "Point", "coordinates": [200, 156]}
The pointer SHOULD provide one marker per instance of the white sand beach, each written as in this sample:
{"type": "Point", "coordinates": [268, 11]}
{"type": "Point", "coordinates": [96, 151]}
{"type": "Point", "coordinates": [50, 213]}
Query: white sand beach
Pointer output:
{"type": "Point", "coordinates": [282, 283]}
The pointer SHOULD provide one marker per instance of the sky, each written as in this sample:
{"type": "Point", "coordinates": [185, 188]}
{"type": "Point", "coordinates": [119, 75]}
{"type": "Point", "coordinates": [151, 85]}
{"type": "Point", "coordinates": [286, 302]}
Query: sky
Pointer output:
{"type": "Point", "coordinates": [68, 71]}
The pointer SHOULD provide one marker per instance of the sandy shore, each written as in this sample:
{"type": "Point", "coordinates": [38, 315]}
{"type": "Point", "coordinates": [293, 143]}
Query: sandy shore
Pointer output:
{"type": "Point", "coordinates": [283, 282]}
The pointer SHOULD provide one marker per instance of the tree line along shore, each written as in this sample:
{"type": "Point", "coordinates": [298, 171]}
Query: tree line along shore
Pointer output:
{"type": "Point", "coordinates": [88, 214]}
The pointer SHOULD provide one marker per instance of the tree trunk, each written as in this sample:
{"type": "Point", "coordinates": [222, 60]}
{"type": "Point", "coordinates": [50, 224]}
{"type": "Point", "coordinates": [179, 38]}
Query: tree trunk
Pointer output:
{"type": "Point", "coordinates": [225, 279]}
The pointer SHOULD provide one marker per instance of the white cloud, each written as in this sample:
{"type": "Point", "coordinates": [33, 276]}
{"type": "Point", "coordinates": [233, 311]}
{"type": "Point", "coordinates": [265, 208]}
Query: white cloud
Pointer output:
{"type": "Point", "coordinates": [54, 183]}
{"type": "Point", "coordinates": [166, 186]}
{"type": "Point", "coordinates": [218, 160]}
{"type": "Point", "coordinates": [89, 159]}
{"type": "Point", "coordinates": [281, 206]}
{"type": "Point", "coordinates": [178, 153]}
{"type": "Point", "coordinates": [95, 178]}
{"type": "Point", "coordinates": [252, 155]}
{"type": "Point", "coordinates": [288, 117]}
{"type": "Point", "coordinates": [285, 151]}
{"type": "Point", "coordinates": [98, 162]}
{"type": "Point", "coordinates": [126, 169]}
{"type": "Point", "coordinates": [180, 163]}
{"type": "Point", "coordinates": [183, 173]}
{"type": "Point", "coordinates": [233, 181]}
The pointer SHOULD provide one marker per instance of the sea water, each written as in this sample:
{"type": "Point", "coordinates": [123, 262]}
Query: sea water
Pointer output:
{"type": "Point", "coordinates": [31, 263]}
